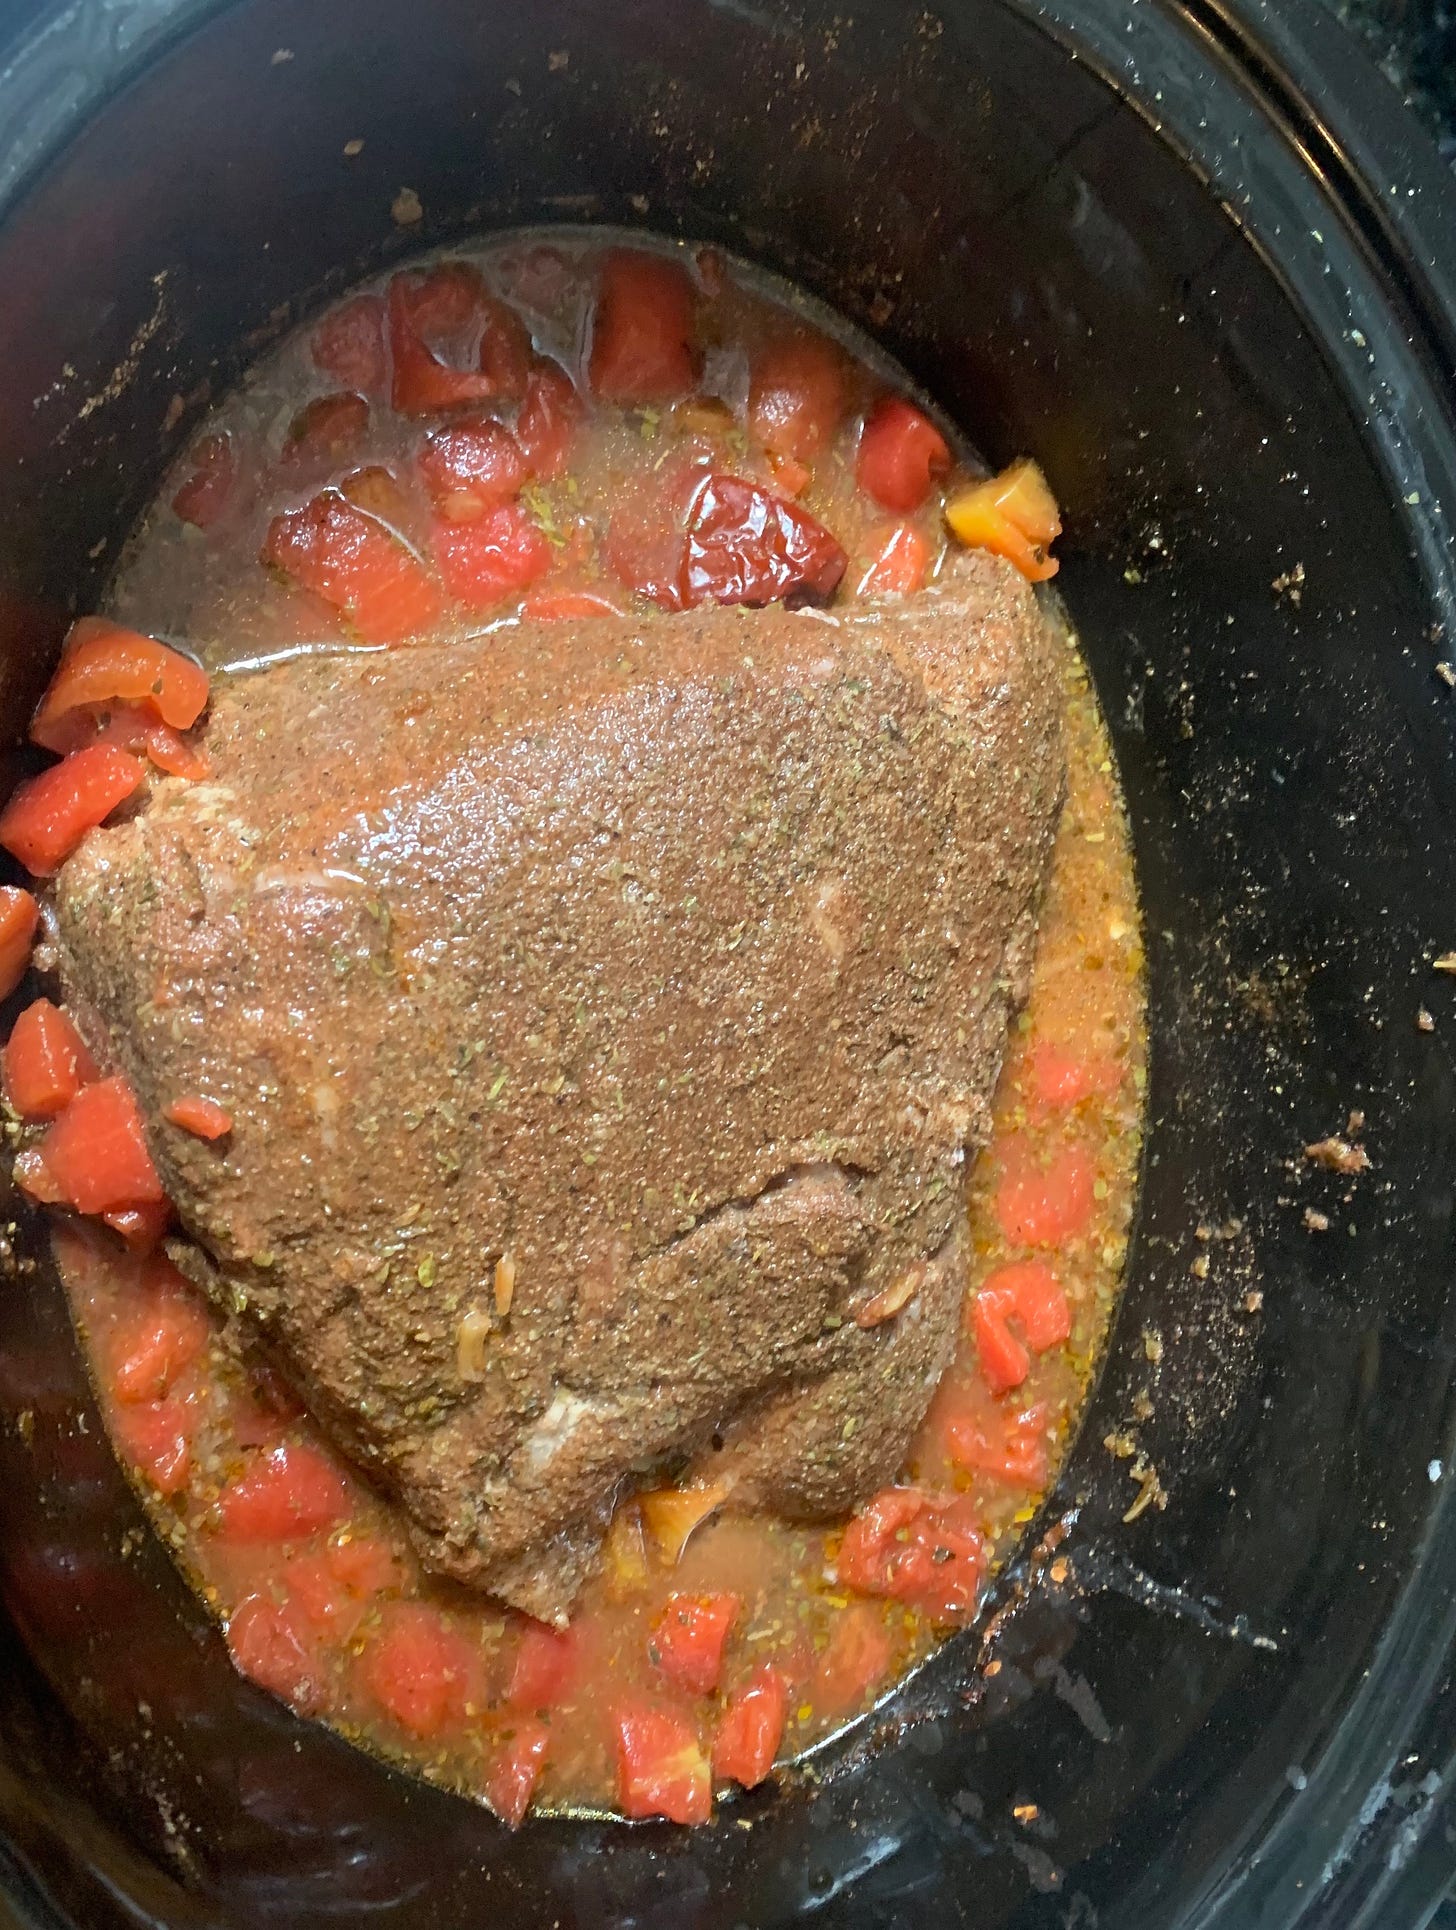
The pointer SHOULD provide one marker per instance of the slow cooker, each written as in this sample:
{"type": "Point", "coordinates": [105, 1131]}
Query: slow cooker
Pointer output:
{"type": "Point", "coordinates": [1193, 255]}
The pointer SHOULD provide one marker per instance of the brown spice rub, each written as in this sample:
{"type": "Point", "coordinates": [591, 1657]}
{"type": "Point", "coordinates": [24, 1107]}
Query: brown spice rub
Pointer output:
{"type": "Point", "coordinates": [606, 1014]}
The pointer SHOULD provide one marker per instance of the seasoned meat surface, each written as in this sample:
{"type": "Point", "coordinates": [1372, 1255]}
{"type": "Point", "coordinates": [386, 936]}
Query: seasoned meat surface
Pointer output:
{"type": "Point", "coordinates": [607, 1013]}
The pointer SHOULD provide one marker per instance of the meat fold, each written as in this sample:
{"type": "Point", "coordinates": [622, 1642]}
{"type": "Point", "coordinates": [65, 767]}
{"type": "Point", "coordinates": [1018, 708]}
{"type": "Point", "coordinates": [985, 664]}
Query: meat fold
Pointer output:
{"type": "Point", "coordinates": [607, 1013]}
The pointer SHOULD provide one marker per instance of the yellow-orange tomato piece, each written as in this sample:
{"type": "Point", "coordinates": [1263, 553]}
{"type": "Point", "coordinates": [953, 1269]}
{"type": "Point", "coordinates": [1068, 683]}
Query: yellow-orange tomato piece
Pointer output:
{"type": "Point", "coordinates": [1013, 514]}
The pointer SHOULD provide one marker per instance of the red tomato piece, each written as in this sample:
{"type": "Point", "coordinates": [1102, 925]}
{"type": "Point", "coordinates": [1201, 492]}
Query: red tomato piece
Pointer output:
{"type": "Point", "coordinates": [420, 1670]}
{"type": "Point", "coordinates": [662, 1769]}
{"type": "Point", "coordinates": [492, 558]}
{"type": "Point", "coordinates": [642, 330]}
{"type": "Point", "coordinates": [131, 728]}
{"type": "Point", "coordinates": [46, 1062]}
{"type": "Point", "coordinates": [207, 491]}
{"type": "Point", "coordinates": [505, 354]}
{"type": "Point", "coordinates": [327, 430]}
{"type": "Point", "coordinates": [1044, 1204]}
{"type": "Point", "coordinates": [353, 561]}
{"type": "Point", "coordinates": [542, 1670]}
{"type": "Point", "coordinates": [647, 537]}
{"type": "Point", "coordinates": [900, 564]}
{"type": "Point", "coordinates": [441, 320]}
{"type": "Point", "coordinates": [565, 606]}
{"type": "Point", "coordinates": [48, 815]}
{"type": "Point", "coordinates": [901, 454]}
{"type": "Point", "coordinates": [516, 1771]}
{"type": "Point", "coordinates": [156, 1438]}
{"type": "Point", "coordinates": [547, 423]}
{"type": "Point", "coordinates": [688, 1637]}
{"type": "Point", "coordinates": [1028, 1293]}
{"type": "Point", "coordinates": [161, 1330]}
{"type": "Point", "coordinates": [19, 915]}
{"type": "Point", "coordinates": [746, 545]}
{"type": "Point", "coordinates": [348, 344]}
{"type": "Point", "coordinates": [915, 1548]}
{"type": "Point", "coordinates": [203, 1117]}
{"type": "Point", "coordinates": [96, 1151]}
{"type": "Point", "coordinates": [855, 1662]}
{"type": "Point", "coordinates": [1061, 1079]}
{"type": "Point", "coordinates": [290, 1491]}
{"type": "Point", "coordinates": [470, 466]}
{"type": "Point", "coordinates": [752, 1728]}
{"type": "Point", "coordinates": [796, 396]}
{"type": "Point", "coordinates": [1008, 1447]}
{"type": "Point", "coordinates": [103, 663]}
{"type": "Point", "coordinates": [270, 1646]}
{"type": "Point", "coordinates": [141, 1226]}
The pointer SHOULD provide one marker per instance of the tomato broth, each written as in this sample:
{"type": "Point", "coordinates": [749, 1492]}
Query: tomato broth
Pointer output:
{"type": "Point", "coordinates": [554, 426]}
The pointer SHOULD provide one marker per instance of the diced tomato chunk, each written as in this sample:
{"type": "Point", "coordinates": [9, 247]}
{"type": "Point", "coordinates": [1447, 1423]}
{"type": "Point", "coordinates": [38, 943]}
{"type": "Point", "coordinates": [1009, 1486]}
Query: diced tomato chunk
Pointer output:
{"type": "Point", "coordinates": [565, 606]}
{"type": "Point", "coordinates": [901, 454]}
{"type": "Point", "coordinates": [348, 344]}
{"type": "Point", "coordinates": [662, 1769]}
{"type": "Point", "coordinates": [46, 1062]}
{"type": "Point", "coordinates": [796, 396]}
{"type": "Point", "coordinates": [547, 423]}
{"type": "Point", "coordinates": [140, 1226]}
{"type": "Point", "coordinates": [131, 728]}
{"type": "Point", "coordinates": [48, 815]}
{"type": "Point", "coordinates": [855, 1662]}
{"type": "Point", "coordinates": [453, 343]}
{"type": "Point", "coordinates": [1008, 1447]}
{"type": "Point", "coordinates": [646, 541]}
{"type": "Point", "coordinates": [746, 545]}
{"type": "Point", "coordinates": [96, 1151]}
{"type": "Point", "coordinates": [420, 1670]}
{"type": "Point", "coordinates": [542, 1670]}
{"type": "Point", "coordinates": [516, 1770]}
{"type": "Point", "coordinates": [1061, 1079]}
{"type": "Point", "coordinates": [160, 1330]}
{"type": "Point", "coordinates": [1014, 515]}
{"type": "Point", "coordinates": [208, 489]}
{"type": "Point", "coordinates": [642, 330]}
{"type": "Point", "coordinates": [1028, 1293]}
{"type": "Point", "coordinates": [900, 564]}
{"type": "Point", "coordinates": [103, 663]}
{"type": "Point", "coordinates": [471, 465]}
{"type": "Point", "coordinates": [156, 1438]}
{"type": "Point", "coordinates": [752, 1728]}
{"type": "Point", "coordinates": [328, 429]}
{"type": "Point", "coordinates": [353, 561]}
{"type": "Point", "coordinates": [19, 915]}
{"type": "Point", "coordinates": [688, 1637]}
{"type": "Point", "coordinates": [270, 1645]}
{"type": "Point", "coordinates": [916, 1548]}
{"type": "Point", "coordinates": [485, 561]}
{"type": "Point", "coordinates": [203, 1117]}
{"type": "Point", "coordinates": [1044, 1203]}
{"type": "Point", "coordinates": [292, 1490]}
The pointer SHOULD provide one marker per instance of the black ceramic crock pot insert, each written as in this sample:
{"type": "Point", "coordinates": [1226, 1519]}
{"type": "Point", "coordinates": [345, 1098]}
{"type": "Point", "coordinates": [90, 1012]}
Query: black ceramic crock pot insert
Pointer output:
{"type": "Point", "coordinates": [1194, 260]}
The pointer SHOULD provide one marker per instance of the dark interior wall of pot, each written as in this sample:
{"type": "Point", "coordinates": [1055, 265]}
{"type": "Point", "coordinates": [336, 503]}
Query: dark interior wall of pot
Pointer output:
{"type": "Point", "coordinates": [1064, 284]}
